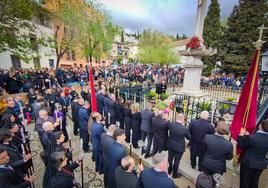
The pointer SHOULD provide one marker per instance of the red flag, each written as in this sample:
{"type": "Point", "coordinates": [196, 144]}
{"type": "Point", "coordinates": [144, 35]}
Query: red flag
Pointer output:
{"type": "Point", "coordinates": [93, 96]}
{"type": "Point", "coordinates": [246, 110]}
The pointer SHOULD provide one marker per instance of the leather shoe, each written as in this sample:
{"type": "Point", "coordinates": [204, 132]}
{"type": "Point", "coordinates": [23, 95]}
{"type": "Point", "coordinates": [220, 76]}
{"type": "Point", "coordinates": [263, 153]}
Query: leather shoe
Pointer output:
{"type": "Point", "coordinates": [177, 175]}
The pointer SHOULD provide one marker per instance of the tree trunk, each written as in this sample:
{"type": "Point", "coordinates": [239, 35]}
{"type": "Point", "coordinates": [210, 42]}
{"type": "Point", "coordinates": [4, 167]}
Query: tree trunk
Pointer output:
{"type": "Point", "coordinates": [58, 62]}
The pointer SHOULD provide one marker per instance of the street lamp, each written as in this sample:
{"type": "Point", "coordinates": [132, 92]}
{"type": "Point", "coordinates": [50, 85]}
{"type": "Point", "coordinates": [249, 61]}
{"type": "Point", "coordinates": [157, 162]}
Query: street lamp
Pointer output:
{"type": "Point", "coordinates": [264, 61]}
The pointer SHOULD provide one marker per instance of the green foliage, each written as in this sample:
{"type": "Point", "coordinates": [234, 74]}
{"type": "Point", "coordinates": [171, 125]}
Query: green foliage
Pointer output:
{"type": "Point", "coordinates": [161, 105]}
{"type": "Point", "coordinates": [16, 28]}
{"type": "Point", "coordinates": [152, 94]}
{"type": "Point", "coordinates": [156, 48]}
{"type": "Point", "coordinates": [212, 35]}
{"type": "Point", "coordinates": [95, 31]}
{"type": "Point", "coordinates": [204, 106]}
{"type": "Point", "coordinates": [164, 96]}
{"type": "Point", "coordinates": [237, 45]}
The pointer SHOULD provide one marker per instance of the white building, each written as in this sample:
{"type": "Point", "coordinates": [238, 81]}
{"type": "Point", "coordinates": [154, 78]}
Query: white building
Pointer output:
{"type": "Point", "coordinates": [47, 55]}
{"type": "Point", "coordinates": [126, 50]}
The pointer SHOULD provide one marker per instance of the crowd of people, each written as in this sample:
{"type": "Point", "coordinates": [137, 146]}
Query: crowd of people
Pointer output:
{"type": "Point", "coordinates": [104, 133]}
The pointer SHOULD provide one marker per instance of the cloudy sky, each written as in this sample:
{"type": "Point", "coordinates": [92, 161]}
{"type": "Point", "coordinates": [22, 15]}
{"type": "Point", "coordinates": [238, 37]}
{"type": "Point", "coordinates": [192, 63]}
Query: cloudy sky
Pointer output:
{"type": "Point", "coordinates": [168, 16]}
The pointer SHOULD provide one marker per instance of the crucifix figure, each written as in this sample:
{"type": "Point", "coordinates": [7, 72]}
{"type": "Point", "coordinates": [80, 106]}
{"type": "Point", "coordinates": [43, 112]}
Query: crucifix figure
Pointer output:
{"type": "Point", "coordinates": [200, 18]}
{"type": "Point", "coordinates": [259, 41]}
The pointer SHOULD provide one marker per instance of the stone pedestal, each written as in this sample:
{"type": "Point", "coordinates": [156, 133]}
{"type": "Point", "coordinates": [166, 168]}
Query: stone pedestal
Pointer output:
{"type": "Point", "coordinates": [192, 77]}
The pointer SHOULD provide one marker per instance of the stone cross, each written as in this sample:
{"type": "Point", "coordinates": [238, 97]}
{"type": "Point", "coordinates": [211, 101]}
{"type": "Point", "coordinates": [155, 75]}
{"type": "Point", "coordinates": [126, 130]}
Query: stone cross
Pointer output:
{"type": "Point", "coordinates": [259, 41]}
{"type": "Point", "coordinates": [200, 18]}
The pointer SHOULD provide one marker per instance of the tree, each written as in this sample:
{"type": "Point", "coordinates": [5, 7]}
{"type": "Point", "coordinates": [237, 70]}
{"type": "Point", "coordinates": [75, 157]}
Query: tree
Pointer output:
{"type": "Point", "coordinates": [212, 35]}
{"type": "Point", "coordinates": [16, 28]}
{"type": "Point", "coordinates": [237, 45]}
{"type": "Point", "coordinates": [156, 48]}
{"type": "Point", "coordinates": [184, 36]}
{"type": "Point", "coordinates": [95, 31]}
{"type": "Point", "coordinates": [177, 37]}
{"type": "Point", "coordinates": [64, 15]}
{"type": "Point", "coordinates": [122, 36]}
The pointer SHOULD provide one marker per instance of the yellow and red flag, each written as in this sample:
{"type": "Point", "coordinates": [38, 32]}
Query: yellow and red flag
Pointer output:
{"type": "Point", "coordinates": [246, 110]}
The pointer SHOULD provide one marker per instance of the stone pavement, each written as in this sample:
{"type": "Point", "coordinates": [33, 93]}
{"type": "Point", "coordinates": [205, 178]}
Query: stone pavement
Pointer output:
{"type": "Point", "coordinates": [92, 179]}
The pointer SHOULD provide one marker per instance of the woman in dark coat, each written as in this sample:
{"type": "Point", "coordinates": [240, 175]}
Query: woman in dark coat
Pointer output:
{"type": "Point", "coordinates": [59, 147]}
{"type": "Point", "coordinates": [119, 112]}
{"type": "Point", "coordinates": [13, 84]}
{"type": "Point", "coordinates": [64, 177]}
{"type": "Point", "coordinates": [135, 124]}
{"type": "Point", "coordinates": [127, 120]}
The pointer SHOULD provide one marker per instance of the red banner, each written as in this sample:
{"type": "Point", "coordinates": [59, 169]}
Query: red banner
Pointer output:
{"type": "Point", "coordinates": [246, 111]}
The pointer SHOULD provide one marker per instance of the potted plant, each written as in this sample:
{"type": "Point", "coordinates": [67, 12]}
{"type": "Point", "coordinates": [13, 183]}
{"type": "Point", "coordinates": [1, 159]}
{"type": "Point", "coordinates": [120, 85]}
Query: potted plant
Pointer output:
{"type": "Point", "coordinates": [204, 106]}
{"type": "Point", "coordinates": [227, 106]}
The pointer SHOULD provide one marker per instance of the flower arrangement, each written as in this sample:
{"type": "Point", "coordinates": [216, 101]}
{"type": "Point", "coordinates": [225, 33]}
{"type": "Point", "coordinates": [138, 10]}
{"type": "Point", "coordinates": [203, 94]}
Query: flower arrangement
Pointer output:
{"type": "Point", "coordinates": [194, 43]}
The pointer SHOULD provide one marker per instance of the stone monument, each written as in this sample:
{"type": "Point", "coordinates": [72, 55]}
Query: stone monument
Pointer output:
{"type": "Point", "coordinates": [193, 66]}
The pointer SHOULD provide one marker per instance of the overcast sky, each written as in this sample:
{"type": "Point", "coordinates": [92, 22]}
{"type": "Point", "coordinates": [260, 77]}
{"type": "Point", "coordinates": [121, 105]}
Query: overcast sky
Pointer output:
{"type": "Point", "coordinates": [168, 16]}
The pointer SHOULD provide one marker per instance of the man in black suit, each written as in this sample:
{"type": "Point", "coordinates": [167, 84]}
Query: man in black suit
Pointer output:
{"type": "Point", "coordinates": [217, 150]}
{"type": "Point", "coordinates": [146, 128]}
{"type": "Point", "coordinates": [176, 144]}
{"type": "Point", "coordinates": [9, 177]}
{"type": "Point", "coordinates": [160, 132]}
{"type": "Point", "coordinates": [254, 160]}
{"type": "Point", "coordinates": [100, 102]}
{"type": "Point", "coordinates": [125, 175]}
{"type": "Point", "coordinates": [106, 140]}
{"type": "Point", "coordinates": [198, 129]}
{"type": "Point", "coordinates": [157, 177]}
{"type": "Point", "coordinates": [115, 153]}
{"type": "Point", "coordinates": [75, 109]}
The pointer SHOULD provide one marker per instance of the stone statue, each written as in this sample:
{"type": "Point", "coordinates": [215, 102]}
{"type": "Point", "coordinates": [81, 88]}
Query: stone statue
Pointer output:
{"type": "Point", "coordinates": [200, 18]}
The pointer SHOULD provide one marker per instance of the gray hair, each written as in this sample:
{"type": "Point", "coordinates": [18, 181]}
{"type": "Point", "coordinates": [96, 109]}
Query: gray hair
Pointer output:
{"type": "Point", "coordinates": [111, 129]}
{"type": "Point", "coordinates": [204, 115]}
{"type": "Point", "coordinates": [159, 157]}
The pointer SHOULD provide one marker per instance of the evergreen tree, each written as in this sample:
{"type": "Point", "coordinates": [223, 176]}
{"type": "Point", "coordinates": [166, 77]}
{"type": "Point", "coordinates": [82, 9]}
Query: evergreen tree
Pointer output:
{"type": "Point", "coordinates": [122, 37]}
{"type": "Point", "coordinates": [237, 46]}
{"type": "Point", "coordinates": [184, 36]}
{"type": "Point", "coordinates": [212, 34]}
{"type": "Point", "coordinates": [177, 37]}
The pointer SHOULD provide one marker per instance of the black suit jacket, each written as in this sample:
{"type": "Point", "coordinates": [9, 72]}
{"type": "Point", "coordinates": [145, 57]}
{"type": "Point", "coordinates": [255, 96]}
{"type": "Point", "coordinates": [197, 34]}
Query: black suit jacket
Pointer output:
{"type": "Point", "coordinates": [217, 151]}
{"type": "Point", "coordinates": [146, 120]}
{"type": "Point", "coordinates": [100, 102]}
{"type": "Point", "coordinates": [256, 151]}
{"type": "Point", "coordinates": [177, 135]}
{"type": "Point", "coordinates": [16, 159]}
{"type": "Point", "coordinates": [106, 140]}
{"type": "Point", "coordinates": [198, 129]}
{"type": "Point", "coordinates": [9, 178]}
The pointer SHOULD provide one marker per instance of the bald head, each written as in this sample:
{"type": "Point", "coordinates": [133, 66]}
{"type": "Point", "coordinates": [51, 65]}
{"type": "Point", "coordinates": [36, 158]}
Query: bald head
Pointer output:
{"type": "Point", "coordinates": [180, 118]}
{"type": "Point", "coordinates": [48, 126]}
{"type": "Point", "coordinates": [111, 129]}
{"type": "Point", "coordinates": [204, 115]}
{"type": "Point", "coordinates": [127, 163]}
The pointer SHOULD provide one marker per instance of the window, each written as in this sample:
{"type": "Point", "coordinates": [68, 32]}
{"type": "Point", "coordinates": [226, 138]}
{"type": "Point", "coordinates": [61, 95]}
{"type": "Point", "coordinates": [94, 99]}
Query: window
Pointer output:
{"type": "Point", "coordinates": [51, 63]}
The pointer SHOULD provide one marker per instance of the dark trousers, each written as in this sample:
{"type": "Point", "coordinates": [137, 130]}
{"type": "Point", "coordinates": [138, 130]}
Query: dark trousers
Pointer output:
{"type": "Point", "coordinates": [249, 178]}
{"type": "Point", "coordinates": [176, 157]}
{"type": "Point", "coordinates": [65, 133]}
{"type": "Point", "coordinates": [197, 150]}
{"type": "Point", "coordinates": [85, 137]}
{"type": "Point", "coordinates": [149, 141]}
{"type": "Point", "coordinates": [127, 129]}
{"type": "Point", "coordinates": [106, 173]}
{"type": "Point", "coordinates": [98, 161]}
{"type": "Point", "coordinates": [75, 128]}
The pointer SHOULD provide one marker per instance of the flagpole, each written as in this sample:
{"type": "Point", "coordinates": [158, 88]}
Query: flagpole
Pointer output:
{"type": "Point", "coordinates": [258, 47]}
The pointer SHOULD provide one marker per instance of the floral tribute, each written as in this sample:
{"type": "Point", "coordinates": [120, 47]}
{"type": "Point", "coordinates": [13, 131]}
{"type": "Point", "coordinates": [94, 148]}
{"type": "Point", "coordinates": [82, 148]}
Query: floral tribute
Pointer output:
{"type": "Point", "coordinates": [194, 43]}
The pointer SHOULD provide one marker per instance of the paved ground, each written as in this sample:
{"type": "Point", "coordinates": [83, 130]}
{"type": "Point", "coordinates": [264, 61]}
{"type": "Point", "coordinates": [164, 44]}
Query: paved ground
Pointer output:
{"type": "Point", "coordinates": [93, 179]}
